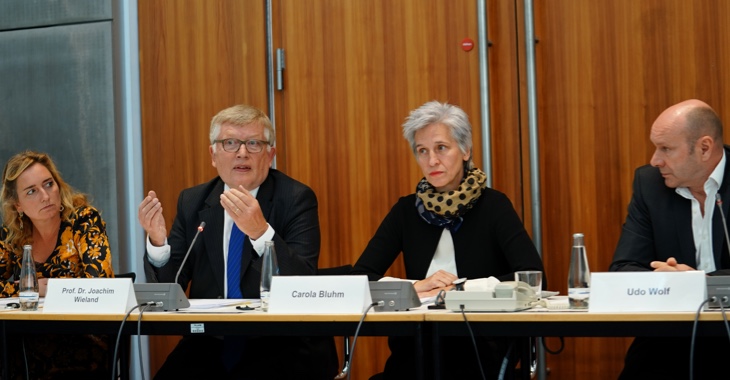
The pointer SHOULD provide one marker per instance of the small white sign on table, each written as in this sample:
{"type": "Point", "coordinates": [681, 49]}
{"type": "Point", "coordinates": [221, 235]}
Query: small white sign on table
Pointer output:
{"type": "Point", "coordinates": [647, 291]}
{"type": "Point", "coordinates": [89, 296]}
{"type": "Point", "coordinates": [319, 294]}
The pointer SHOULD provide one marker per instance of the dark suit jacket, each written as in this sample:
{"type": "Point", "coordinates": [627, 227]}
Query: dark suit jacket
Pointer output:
{"type": "Point", "coordinates": [491, 241]}
{"type": "Point", "coordinates": [659, 225]}
{"type": "Point", "coordinates": [290, 207]}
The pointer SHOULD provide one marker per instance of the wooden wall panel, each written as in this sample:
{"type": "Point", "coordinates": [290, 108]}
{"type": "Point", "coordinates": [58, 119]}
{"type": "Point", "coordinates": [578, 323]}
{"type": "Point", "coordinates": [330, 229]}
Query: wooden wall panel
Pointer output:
{"type": "Point", "coordinates": [351, 79]}
{"type": "Point", "coordinates": [510, 158]}
{"type": "Point", "coordinates": [196, 58]}
{"type": "Point", "coordinates": [605, 70]}
{"type": "Point", "coordinates": [350, 82]}
{"type": "Point", "coordinates": [355, 69]}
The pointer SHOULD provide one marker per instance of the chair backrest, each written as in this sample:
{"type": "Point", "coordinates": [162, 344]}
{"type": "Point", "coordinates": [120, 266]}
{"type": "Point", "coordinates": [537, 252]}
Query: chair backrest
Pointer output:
{"type": "Point", "coordinates": [131, 275]}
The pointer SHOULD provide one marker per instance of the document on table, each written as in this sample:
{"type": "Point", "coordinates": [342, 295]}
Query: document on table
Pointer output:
{"type": "Point", "coordinates": [428, 300]}
{"type": "Point", "coordinates": [9, 304]}
{"type": "Point", "coordinates": [220, 305]}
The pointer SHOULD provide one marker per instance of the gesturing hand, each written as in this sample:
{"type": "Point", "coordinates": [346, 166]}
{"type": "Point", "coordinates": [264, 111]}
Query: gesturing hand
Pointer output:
{"type": "Point", "coordinates": [151, 219]}
{"type": "Point", "coordinates": [245, 211]}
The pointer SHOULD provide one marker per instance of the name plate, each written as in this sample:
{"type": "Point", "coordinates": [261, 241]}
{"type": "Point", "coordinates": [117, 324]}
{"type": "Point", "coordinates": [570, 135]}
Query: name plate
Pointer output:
{"type": "Point", "coordinates": [319, 294]}
{"type": "Point", "coordinates": [89, 296]}
{"type": "Point", "coordinates": [647, 291]}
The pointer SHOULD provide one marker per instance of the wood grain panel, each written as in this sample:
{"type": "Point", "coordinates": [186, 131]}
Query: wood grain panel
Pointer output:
{"type": "Point", "coordinates": [355, 69]}
{"type": "Point", "coordinates": [400, 60]}
{"type": "Point", "coordinates": [196, 58]}
{"type": "Point", "coordinates": [605, 70]}
{"type": "Point", "coordinates": [510, 158]}
{"type": "Point", "coordinates": [351, 79]}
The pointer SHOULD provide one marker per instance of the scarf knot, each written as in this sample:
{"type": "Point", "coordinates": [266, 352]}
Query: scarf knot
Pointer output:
{"type": "Point", "coordinates": [446, 209]}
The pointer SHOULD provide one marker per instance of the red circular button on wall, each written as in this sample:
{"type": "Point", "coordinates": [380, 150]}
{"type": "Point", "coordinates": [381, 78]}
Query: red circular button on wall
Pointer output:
{"type": "Point", "coordinates": [467, 44]}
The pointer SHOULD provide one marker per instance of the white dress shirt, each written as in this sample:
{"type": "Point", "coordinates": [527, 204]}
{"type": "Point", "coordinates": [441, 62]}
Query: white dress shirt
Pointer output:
{"type": "Point", "coordinates": [702, 224]}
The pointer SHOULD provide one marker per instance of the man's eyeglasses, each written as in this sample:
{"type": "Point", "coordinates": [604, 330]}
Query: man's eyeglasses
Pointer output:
{"type": "Point", "coordinates": [233, 145]}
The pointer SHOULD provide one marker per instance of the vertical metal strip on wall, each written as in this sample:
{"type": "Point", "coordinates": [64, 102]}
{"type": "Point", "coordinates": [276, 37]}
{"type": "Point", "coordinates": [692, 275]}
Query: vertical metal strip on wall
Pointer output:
{"type": "Point", "coordinates": [128, 120]}
{"type": "Point", "coordinates": [484, 90]}
{"type": "Point", "coordinates": [532, 126]}
{"type": "Point", "coordinates": [541, 367]}
{"type": "Point", "coordinates": [270, 68]}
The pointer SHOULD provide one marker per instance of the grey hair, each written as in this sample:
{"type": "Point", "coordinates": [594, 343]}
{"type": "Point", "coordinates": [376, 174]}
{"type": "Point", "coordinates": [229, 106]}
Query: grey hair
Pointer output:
{"type": "Point", "coordinates": [240, 115]}
{"type": "Point", "coordinates": [434, 112]}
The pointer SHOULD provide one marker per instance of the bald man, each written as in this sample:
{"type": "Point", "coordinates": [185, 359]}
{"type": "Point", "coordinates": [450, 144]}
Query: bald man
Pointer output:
{"type": "Point", "coordinates": [673, 225]}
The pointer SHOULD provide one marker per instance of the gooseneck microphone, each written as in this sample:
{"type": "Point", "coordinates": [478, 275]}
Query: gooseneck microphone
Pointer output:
{"type": "Point", "coordinates": [164, 296]}
{"type": "Point", "coordinates": [718, 202]}
{"type": "Point", "coordinates": [190, 248]}
{"type": "Point", "coordinates": [717, 285]}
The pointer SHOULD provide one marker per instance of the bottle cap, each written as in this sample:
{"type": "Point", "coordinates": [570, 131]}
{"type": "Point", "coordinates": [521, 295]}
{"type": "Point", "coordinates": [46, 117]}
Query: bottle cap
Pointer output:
{"type": "Point", "coordinates": [578, 239]}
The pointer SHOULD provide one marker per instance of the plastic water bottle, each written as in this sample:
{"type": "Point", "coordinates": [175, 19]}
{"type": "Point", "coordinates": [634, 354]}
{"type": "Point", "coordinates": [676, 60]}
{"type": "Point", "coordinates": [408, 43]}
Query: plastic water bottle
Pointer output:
{"type": "Point", "coordinates": [579, 275]}
{"type": "Point", "coordinates": [28, 282]}
{"type": "Point", "coordinates": [269, 269]}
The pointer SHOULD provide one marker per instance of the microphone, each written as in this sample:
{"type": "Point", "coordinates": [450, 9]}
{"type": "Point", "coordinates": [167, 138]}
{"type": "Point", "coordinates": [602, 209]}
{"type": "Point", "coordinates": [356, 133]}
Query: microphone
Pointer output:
{"type": "Point", "coordinates": [717, 286]}
{"type": "Point", "coordinates": [718, 202]}
{"type": "Point", "coordinates": [190, 248]}
{"type": "Point", "coordinates": [165, 296]}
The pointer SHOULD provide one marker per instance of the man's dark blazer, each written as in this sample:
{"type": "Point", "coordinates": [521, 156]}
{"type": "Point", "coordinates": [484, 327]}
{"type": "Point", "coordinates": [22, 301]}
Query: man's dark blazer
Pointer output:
{"type": "Point", "coordinates": [659, 225]}
{"type": "Point", "coordinates": [290, 207]}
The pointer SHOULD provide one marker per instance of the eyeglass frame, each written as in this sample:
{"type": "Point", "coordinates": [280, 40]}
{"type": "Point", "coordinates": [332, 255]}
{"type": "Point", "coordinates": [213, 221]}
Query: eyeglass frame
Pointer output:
{"type": "Point", "coordinates": [242, 143]}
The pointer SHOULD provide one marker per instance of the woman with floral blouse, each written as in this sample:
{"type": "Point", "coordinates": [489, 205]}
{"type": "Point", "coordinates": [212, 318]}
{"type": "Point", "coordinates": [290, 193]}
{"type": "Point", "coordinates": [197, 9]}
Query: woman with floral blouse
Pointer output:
{"type": "Point", "coordinates": [69, 240]}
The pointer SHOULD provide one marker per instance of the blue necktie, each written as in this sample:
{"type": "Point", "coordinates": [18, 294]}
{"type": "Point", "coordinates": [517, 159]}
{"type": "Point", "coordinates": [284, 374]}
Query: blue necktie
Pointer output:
{"type": "Point", "coordinates": [233, 345]}
{"type": "Point", "coordinates": [235, 248]}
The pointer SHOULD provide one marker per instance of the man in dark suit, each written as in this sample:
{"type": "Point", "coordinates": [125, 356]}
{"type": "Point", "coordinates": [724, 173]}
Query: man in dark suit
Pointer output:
{"type": "Point", "coordinates": [246, 205]}
{"type": "Point", "coordinates": [673, 224]}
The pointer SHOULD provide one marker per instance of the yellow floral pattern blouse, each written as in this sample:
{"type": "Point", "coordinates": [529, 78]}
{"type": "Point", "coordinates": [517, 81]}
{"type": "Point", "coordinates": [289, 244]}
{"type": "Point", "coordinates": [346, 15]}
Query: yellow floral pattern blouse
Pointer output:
{"type": "Point", "coordinates": [82, 251]}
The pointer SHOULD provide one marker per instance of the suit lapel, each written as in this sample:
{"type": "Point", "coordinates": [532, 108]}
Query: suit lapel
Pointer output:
{"type": "Point", "coordinates": [213, 217]}
{"type": "Point", "coordinates": [683, 221]}
{"type": "Point", "coordinates": [266, 194]}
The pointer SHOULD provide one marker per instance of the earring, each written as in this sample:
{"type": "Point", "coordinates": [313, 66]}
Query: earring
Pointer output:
{"type": "Point", "coordinates": [20, 219]}
{"type": "Point", "coordinates": [62, 208]}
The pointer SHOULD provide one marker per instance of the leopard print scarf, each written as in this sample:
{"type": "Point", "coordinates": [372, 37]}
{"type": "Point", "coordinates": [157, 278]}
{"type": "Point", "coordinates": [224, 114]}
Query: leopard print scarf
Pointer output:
{"type": "Point", "coordinates": [447, 209]}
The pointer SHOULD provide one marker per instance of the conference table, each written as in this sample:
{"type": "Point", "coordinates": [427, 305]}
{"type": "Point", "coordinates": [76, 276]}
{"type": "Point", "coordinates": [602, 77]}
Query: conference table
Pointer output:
{"type": "Point", "coordinates": [577, 323]}
{"type": "Point", "coordinates": [569, 323]}
{"type": "Point", "coordinates": [407, 323]}
{"type": "Point", "coordinates": [420, 324]}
